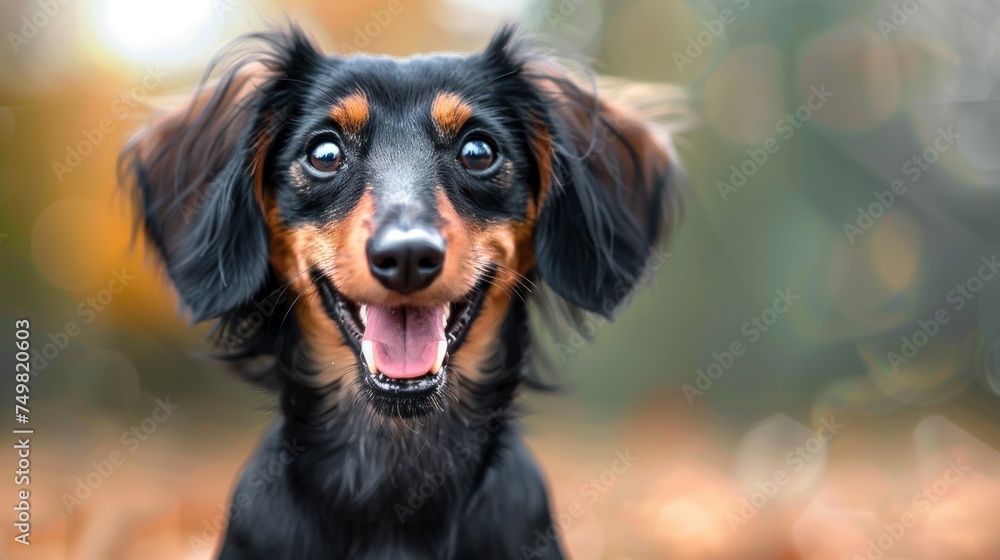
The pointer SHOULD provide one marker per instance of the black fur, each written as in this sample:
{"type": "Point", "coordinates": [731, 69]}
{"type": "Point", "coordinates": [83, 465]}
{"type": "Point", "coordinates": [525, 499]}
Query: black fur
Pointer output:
{"type": "Point", "coordinates": [342, 480]}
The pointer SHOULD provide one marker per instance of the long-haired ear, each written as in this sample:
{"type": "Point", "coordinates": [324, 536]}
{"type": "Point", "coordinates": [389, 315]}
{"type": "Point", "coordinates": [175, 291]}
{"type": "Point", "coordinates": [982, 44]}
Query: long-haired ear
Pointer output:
{"type": "Point", "coordinates": [196, 175]}
{"type": "Point", "coordinates": [605, 195]}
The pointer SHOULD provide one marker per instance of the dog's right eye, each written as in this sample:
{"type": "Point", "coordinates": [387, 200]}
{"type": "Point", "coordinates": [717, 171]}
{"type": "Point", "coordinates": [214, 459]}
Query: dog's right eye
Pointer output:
{"type": "Point", "coordinates": [477, 155]}
{"type": "Point", "coordinates": [325, 156]}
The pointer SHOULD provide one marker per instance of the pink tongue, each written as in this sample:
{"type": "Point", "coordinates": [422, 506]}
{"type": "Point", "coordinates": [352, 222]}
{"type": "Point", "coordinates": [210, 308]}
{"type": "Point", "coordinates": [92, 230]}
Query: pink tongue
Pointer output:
{"type": "Point", "coordinates": [405, 339]}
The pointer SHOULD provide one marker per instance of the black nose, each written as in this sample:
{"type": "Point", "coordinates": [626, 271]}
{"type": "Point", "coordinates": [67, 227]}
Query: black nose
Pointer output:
{"type": "Point", "coordinates": [406, 260]}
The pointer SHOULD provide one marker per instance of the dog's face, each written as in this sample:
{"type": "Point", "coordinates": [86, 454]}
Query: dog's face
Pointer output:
{"type": "Point", "coordinates": [402, 196]}
{"type": "Point", "coordinates": [405, 205]}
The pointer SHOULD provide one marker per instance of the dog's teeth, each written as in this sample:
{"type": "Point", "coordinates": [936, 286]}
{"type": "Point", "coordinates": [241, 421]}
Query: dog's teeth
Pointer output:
{"type": "Point", "coordinates": [363, 313]}
{"type": "Point", "coordinates": [368, 351]}
{"type": "Point", "coordinates": [447, 313]}
{"type": "Point", "coordinates": [442, 350]}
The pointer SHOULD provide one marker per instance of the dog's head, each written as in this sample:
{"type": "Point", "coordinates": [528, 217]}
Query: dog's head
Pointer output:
{"type": "Point", "coordinates": [398, 208]}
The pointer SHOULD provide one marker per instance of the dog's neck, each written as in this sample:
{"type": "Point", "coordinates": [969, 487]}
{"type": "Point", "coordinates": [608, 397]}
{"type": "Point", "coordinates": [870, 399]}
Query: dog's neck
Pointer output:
{"type": "Point", "coordinates": [379, 467]}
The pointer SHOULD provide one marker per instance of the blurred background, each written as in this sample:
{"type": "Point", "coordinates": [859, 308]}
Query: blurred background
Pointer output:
{"type": "Point", "coordinates": [813, 371]}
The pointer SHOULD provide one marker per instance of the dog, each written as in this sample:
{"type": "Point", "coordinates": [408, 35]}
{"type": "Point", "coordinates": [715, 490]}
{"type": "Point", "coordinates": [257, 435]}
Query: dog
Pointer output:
{"type": "Point", "coordinates": [368, 235]}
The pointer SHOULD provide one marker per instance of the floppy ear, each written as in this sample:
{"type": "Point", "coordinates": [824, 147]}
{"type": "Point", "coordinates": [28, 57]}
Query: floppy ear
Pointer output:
{"type": "Point", "coordinates": [197, 175]}
{"type": "Point", "coordinates": [603, 196]}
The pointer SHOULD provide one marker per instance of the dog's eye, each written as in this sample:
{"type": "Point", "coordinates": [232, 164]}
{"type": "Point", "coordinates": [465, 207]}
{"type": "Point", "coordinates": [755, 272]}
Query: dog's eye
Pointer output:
{"type": "Point", "coordinates": [477, 155]}
{"type": "Point", "coordinates": [325, 156]}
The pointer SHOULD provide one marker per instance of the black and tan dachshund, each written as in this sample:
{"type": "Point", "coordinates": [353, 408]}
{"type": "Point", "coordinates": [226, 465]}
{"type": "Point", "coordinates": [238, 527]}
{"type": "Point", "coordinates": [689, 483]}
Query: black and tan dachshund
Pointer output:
{"type": "Point", "coordinates": [364, 232]}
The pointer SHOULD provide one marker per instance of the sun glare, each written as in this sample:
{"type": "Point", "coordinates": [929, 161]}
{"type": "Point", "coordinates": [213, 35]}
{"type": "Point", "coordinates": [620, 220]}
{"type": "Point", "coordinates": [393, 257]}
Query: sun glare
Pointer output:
{"type": "Point", "coordinates": [155, 30]}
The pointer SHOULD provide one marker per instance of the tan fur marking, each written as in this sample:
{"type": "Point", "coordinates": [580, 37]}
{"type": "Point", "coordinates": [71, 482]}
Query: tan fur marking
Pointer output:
{"type": "Point", "coordinates": [338, 250]}
{"type": "Point", "coordinates": [350, 273]}
{"type": "Point", "coordinates": [351, 112]}
{"type": "Point", "coordinates": [293, 253]}
{"type": "Point", "coordinates": [450, 113]}
{"type": "Point", "coordinates": [541, 143]}
{"type": "Point", "coordinates": [509, 245]}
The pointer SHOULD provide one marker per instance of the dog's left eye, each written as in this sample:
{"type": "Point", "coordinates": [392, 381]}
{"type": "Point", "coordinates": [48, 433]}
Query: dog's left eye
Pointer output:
{"type": "Point", "coordinates": [477, 155]}
{"type": "Point", "coordinates": [325, 156]}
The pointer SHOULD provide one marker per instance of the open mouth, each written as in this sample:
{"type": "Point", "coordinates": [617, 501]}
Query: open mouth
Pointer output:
{"type": "Point", "coordinates": [403, 351]}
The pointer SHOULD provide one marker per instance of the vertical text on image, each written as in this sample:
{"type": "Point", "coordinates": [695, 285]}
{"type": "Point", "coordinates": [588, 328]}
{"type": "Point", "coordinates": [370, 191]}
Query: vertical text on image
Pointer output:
{"type": "Point", "coordinates": [22, 433]}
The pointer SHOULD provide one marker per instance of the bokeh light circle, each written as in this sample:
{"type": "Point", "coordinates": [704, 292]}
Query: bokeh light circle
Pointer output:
{"type": "Point", "coordinates": [895, 251]}
{"type": "Point", "coordinates": [856, 394]}
{"type": "Point", "coordinates": [933, 372]}
{"type": "Point", "coordinates": [860, 296]}
{"type": "Point", "coordinates": [861, 72]}
{"type": "Point", "coordinates": [744, 96]}
{"type": "Point", "coordinates": [649, 41]}
{"type": "Point", "coordinates": [781, 452]}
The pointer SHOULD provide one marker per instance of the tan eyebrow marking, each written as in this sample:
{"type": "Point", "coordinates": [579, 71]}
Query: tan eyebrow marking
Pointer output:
{"type": "Point", "coordinates": [450, 113]}
{"type": "Point", "coordinates": [351, 112]}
